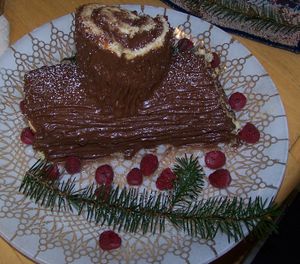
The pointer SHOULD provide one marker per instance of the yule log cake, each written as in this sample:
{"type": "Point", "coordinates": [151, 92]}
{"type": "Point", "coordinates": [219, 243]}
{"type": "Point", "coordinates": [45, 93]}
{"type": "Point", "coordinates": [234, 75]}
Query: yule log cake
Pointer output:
{"type": "Point", "coordinates": [73, 113]}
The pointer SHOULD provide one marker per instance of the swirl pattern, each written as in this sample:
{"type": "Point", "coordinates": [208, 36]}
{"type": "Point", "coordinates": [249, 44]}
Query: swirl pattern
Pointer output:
{"type": "Point", "coordinates": [123, 32]}
{"type": "Point", "coordinates": [123, 55]}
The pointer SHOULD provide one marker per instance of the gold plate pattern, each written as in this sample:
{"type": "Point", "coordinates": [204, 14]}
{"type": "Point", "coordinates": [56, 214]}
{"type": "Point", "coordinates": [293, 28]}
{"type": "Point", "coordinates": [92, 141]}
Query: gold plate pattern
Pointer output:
{"type": "Point", "coordinates": [52, 237]}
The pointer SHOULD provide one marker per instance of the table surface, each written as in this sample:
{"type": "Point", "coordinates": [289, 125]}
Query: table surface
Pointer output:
{"type": "Point", "coordinates": [282, 66]}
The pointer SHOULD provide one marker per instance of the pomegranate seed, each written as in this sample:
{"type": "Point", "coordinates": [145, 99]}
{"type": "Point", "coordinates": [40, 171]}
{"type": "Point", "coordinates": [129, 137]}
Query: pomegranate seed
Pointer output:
{"type": "Point", "coordinates": [135, 177]}
{"type": "Point", "coordinates": [73, 165]}
{"type": "Point", "coordinates": [215, 61]}
{"type": "Point", "coordinates": [215, 159]}
{"type": "Point", "coordinates": [185, 44]}
{"type": "Point", "coordinates": [27, 136]}
{"type": "Point", "coordinates": [149, 164]}
{"type": "Point", "coordinates": [104, 175]}
{"type": "Point", "coordinates": [220, 178]}
{"type": "Point", "coordinates": [237, 101]}
{"type": "Point", "coordinates": [109, 240]}
{"type": "Point", "coordinates": [249, 134]}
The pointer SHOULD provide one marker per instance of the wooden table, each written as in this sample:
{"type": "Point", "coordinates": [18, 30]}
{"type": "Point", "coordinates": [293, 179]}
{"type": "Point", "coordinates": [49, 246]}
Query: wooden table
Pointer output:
{"type": "Point", "coordinates": [282, 66]}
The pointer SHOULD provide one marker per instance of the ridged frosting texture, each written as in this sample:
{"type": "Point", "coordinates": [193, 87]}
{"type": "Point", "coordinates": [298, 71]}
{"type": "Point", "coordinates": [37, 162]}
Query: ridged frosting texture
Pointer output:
{"type": "Point", "coordinates": [189, 106]}
{"type": "Point", "coordinates": [122, 54]}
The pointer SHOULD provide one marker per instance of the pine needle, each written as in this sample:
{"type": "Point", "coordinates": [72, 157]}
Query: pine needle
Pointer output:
{"type": "Point", "coordinates": [129, 210]}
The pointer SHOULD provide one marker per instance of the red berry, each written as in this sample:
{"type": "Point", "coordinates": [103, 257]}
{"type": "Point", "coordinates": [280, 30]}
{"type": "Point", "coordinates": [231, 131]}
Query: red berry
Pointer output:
{"type": "Point", "coordinates": [237, 101]}
{"type": "Point", "coordinates": [109, 240]}
{"type": "Point", "coordinates": [220, 178]}
{"type": "Point", "coordinates": [215, 61]}
{"type": "Point", "coordinates": [104, 175]}
{"type": "Point", "coordinates": [27, 136]}
{"type": "Point", "coordinates": [22, 106]}
{"type": "Point", "coordinates": [149, 164]}
{"type": "Point", "coordinates": [135, 177]}
{"type": "Point", "coordinates": [103, 192]}
{"type": "Point", "coordinates": [249, 134]}
{"type": "Point", "coordinates": [215, 159]}
{"type": "Point", "coordinates": [53, 173]}
{"type": "Point", "coordinates": [73, 165]}
{"type": "Point", "coordinates": [163, 184]}
{"type": "Point", "coordinates": [168, 174]}
{"type": "Point", "coordinates": [184, 44]}
{"type": "Point", "coordinates": [166, 179]}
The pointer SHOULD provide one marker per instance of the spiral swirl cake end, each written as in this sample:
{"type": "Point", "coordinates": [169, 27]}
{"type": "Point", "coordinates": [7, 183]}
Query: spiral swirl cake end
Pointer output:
{"type": "Point", "coordinates": [122, 32]}
{"type": "Point", "coordinates": [123, 55]}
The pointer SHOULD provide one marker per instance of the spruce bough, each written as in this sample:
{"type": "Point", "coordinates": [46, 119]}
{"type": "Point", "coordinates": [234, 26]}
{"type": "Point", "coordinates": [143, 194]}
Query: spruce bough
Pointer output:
{"type": "Point", "coordinates": [132, 210]}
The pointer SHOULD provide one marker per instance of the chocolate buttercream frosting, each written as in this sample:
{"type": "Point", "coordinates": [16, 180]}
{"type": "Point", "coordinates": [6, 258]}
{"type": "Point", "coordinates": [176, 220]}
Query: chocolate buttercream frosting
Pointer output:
{"type": "Point", "coordinates": [188, 106]}
{"type": "Point", "coordinates": [123, 55]}
{"type": "Point", "coordinates": [126, 91]}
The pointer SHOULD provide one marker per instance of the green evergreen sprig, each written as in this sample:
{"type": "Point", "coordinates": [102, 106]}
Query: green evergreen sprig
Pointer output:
{"type": "Point", "coordinates": [242, 12]}
{"type": "Point", "coordinates": [229, 216]}
{"type": "Point", "coordinates": [132, 210]}
{"type": "Point", "coordinates": [190, 180]}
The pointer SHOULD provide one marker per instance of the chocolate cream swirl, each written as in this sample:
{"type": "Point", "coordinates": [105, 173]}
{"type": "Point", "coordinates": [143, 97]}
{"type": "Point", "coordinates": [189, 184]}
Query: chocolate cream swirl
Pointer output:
{"type": "Point", "coordinates": [123, 32]}
{"type": "Point", "coordinates": [123, 55]}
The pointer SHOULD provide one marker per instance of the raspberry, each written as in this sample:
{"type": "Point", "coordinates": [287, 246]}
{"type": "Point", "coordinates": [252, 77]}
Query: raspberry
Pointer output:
{"type": "Point", "coordinates": [149, 164]}
{"type": "Point", "coordinates": [220, 178]}
{"type": "Point", "coordinates": [73, 165]}
{"type": "Point", "coordinates": [185, 44]}
{"type": "Point", "coordinates": [53, 173]}
{"type": "Point", "coordinates": [166, 179]}
{"type": "Point", "coordinates": [135, 177]}
{"type": "Point", "coordinates": [163, 184]}
{"type": "Point", "coordinates": [104, 175]}
{"type": "Point", "coordinates": [215, 159]}
{"type": "Point", "coordinates": [168, 174]}
{"type": "Point", "coordinates": [103, 192]}
{"type": "Point", "coordinates": [215, 61]}
{"type": "Point", "coordinates": [237, 101]}
{"type": "Point", "coordinates": [109, 240]}
{"type": "Point", "coordinates": [22, 106]}
{"type": "Point", "coordinates": [27, 136]}
{"type": "Point", "coordinates": [249, 134]}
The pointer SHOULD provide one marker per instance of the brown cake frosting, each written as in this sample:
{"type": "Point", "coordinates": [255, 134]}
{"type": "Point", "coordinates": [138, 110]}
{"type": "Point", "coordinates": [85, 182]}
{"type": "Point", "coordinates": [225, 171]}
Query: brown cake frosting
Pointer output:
{"type": "Point", "coordinates": [188, 106]}
{"type": "Point", "coordinates": [125, 92]}
{"type": "Point", "coordinates": [123, 55]}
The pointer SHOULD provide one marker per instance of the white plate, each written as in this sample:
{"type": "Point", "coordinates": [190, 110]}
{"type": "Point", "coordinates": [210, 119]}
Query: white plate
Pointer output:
{"type": "Point", "coordinates": [51, 237]}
